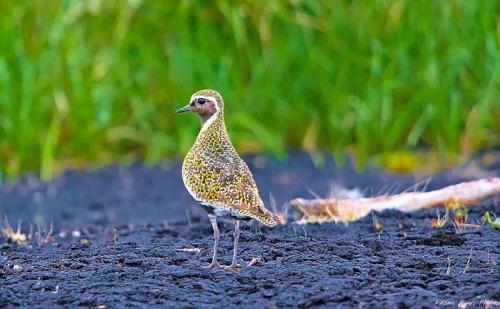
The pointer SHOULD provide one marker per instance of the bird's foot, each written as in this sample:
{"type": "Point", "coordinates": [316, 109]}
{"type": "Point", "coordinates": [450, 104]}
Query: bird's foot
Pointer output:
{"type": "Point", "coordinates": [233, 267]}
{"type": "Point", "coordinates": [214, 264]}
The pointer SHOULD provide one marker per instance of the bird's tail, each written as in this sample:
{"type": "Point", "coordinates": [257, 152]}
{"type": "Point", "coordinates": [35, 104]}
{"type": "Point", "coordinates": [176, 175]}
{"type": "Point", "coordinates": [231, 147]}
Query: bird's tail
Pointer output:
{"type": "Point", "coordinates": [273, 219]}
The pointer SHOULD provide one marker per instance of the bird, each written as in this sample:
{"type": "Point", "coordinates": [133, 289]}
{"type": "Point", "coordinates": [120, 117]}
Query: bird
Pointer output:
{"type": "Point", "coordinates": [216, 176]}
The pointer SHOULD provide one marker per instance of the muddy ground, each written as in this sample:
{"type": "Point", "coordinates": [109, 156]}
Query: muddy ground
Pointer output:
{"type": "Point", "coordinates": [132, 236]}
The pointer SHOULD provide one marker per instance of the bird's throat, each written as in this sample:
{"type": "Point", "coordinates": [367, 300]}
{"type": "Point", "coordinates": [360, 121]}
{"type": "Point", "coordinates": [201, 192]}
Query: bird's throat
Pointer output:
{"type": "Point", "coordinates": [206, 117]}
{"type": "Point", "coordinates": [207, 112]}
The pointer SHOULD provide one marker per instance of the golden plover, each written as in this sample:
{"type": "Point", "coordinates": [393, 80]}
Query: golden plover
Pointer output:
{"type": "Point", "coordinates": [217, 177]}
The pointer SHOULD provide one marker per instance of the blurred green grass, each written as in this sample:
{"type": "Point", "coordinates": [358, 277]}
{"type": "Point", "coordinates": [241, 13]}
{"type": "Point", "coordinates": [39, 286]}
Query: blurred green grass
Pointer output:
{"type": "Point", "coordinates": [99, 81]}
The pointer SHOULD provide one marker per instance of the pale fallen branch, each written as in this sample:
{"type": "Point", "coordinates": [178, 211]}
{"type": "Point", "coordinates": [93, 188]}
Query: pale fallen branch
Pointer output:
{"type": "Point", "coordinates": [346, 210]}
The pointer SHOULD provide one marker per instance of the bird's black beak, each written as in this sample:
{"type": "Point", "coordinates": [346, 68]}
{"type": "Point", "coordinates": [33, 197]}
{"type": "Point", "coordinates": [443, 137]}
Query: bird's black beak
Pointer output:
{"type": "Point", "coordinates": [184, 109]}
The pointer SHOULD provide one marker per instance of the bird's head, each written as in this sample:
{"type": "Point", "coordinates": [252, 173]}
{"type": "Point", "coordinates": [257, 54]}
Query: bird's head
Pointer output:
{"type": "Point", "coordinates": [206, 103]}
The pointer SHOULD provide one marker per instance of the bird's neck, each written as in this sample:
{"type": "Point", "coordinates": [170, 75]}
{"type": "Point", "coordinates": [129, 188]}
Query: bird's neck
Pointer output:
{"type": "Point", "coordinates": [213, 126]}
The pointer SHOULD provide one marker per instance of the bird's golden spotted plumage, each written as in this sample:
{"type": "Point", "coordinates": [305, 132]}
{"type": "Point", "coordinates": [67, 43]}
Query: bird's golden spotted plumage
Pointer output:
{"type": "Point", "coordinates": [215, 175]}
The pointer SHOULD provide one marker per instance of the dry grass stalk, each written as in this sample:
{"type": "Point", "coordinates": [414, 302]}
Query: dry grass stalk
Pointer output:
{"type": "Point", "coordinates": [13, 236]}
{"type": "Point", "coordinates": [346, 210]}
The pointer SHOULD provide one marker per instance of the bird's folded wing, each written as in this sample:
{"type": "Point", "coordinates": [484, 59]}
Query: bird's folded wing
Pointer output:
{"type": "Point", "coordinates": [244, 194]}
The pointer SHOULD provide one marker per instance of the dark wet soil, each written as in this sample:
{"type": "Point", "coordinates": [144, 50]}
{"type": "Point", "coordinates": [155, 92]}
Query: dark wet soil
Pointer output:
{"type": "Point", "coordinates": [132, 237]}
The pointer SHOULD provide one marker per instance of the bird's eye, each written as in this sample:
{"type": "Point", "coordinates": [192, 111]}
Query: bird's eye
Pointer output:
{"type": "Point", "coordinates": [202, 101]}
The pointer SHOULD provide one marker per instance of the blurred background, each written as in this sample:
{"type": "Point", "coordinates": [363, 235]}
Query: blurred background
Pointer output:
{"type": "Point", "coordinates": [87, 83]}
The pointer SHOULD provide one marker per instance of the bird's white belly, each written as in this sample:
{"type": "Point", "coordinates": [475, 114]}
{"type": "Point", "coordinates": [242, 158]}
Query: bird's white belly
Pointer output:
{"type": "Point", "coordinates": [223, 211]}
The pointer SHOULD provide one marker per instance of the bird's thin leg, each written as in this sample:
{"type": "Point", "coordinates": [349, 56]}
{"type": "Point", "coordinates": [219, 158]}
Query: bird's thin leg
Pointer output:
{"type": "Point", "coordinates": [234, 266]}
{"type": "Point", "coordinates": [213, 220]}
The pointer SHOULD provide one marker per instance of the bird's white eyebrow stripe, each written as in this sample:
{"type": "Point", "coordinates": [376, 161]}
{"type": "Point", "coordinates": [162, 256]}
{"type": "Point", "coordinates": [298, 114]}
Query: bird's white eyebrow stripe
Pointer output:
{"type": "Point", "coordinates": [210, 98]}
